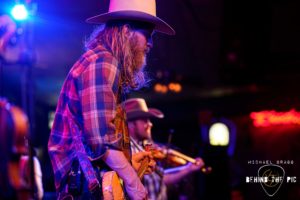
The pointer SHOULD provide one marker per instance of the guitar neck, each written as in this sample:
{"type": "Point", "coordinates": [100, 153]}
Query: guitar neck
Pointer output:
{"type": "Point", "coordinates": [143, 168]}
{"type": "Point", "coordinates": [145, 162]}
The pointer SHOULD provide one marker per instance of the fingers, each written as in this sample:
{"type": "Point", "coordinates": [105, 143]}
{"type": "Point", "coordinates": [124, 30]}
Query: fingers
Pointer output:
{"type": "Point", "coordinates": [199, 162]}
{"type": "Point", "coordinates": [138, 157]}
{"type": "Point", "coordinates": [151, 167]}
{"type": "Point", "coordinates": [196, 166]}
{"type": "Point", "coordinates": [152, 163]}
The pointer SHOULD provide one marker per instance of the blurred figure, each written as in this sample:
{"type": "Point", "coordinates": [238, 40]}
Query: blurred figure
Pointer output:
{"type": "Point", "coordinates": [15, 178]}
{"type": "Point", "coordinates": [7, 30]}
{"type": "Point", "coordinates": [89, 125]}
{"type": "Point", "coordinates": [139, 126]}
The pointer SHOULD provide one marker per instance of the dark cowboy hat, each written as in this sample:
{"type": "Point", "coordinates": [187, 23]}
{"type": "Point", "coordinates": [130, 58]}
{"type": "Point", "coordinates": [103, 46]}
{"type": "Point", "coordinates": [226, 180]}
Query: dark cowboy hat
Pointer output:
{"type": "Point", "coordinates": [133, 10]}
{"type": "Point", "coordinates": [137, 108]}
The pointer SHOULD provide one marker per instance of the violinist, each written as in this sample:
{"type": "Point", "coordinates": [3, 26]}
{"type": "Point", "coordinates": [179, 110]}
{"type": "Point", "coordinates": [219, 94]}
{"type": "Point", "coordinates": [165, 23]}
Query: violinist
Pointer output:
{"type": "Point", "coordinates": [139, 127]}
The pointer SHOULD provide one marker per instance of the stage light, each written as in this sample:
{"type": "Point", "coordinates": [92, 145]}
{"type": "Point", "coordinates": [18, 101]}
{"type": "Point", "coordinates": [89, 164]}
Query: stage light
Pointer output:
{"type": "Point", "coordinates": [19, 12]}
{"type": "Point", "coordinates": [160, 88]}
{"type": "Point", "coordinates": [219, 134]}
{"type": "Point", "coordinates": [175, 87]}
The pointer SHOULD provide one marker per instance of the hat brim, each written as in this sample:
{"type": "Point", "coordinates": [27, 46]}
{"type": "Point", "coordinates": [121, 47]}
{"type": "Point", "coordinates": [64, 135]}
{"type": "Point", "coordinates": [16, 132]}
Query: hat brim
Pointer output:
{"type": "Point", "coordinates": [160, 25]}
{"type": "Point", "coordinates": [152, 112]}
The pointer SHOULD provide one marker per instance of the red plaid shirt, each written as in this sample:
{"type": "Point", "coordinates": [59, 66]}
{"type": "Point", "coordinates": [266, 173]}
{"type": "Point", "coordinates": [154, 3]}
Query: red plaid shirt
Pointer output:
{"type": "Point", "coordinates": [83, 125]}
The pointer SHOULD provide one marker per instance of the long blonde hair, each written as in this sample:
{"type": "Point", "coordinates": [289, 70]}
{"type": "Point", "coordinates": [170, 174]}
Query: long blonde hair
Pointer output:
{"type": "Point", "coordinates": [115, 39]}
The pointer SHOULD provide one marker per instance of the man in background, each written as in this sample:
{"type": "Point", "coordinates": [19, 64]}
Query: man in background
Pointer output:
{"type": "Point", "coordinates": [139, 126]}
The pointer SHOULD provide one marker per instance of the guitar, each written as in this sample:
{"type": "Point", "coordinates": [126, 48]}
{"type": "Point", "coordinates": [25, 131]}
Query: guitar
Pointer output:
{"type": "Point", "coordinates": [112, 185]}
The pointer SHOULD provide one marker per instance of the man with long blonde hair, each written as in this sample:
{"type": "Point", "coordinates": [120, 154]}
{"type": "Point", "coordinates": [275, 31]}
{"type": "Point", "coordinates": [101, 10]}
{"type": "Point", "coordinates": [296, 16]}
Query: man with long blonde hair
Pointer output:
{"type": "Point", "coordinates": [89, 129]}
{"type": "Point", "coordinates": [123, 39]}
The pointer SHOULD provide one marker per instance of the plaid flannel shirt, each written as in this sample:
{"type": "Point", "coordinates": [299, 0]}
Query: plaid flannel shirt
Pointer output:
{"type": "Point", "coordinates": [83, 125]}
{"type": "Point", "coordinates": [153, 182]}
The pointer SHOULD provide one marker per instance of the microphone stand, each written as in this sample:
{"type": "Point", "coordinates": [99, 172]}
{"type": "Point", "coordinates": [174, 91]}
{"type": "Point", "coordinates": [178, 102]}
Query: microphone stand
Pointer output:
{"type": "Point", "coordinates": [26, 60]}
{"type": "Point", "coordinates": [170, 136]}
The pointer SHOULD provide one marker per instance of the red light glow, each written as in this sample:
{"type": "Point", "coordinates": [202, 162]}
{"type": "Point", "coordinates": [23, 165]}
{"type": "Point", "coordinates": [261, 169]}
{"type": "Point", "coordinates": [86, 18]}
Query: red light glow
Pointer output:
{"type": "Point", "coordinates": [268, 118]}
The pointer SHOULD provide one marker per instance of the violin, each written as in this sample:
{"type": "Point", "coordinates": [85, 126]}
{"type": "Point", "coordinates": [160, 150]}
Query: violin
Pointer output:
{"type": "Point", "coordinates": [14, 127]}
{"type": "Point", "coordinates": [14, 123]}
{"type": "Point", "coordinates": [162, 153]}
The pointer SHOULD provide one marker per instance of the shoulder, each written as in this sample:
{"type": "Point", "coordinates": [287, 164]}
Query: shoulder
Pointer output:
{"type": "Point", "coordinates": [100, 54]}
{"type": "Point", "coordinates": [98, 57]}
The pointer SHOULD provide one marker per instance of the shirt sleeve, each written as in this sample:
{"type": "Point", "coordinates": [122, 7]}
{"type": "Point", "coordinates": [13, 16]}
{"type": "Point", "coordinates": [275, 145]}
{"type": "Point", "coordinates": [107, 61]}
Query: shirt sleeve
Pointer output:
{"type": "Point", "coordinates": [98, 88]}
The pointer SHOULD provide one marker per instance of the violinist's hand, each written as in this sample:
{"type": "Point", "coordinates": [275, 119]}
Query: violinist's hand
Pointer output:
{"type": "Point", "coordinates": [151, 166]}
{"type": "Point", "coordinates": [195, 166]}
{"type": "Point", "coordinates": [137, 158]}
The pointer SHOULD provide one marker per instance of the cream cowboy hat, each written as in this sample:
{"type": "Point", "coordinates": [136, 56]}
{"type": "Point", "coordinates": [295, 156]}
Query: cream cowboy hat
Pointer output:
{"type": "Point", "coordinates": [137, 108]}
{"type": "Point", "coordinates": [139, 10]}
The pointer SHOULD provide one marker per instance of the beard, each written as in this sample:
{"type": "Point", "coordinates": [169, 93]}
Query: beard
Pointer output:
{"type": "Point", "coordinates": [142, 135]}
{"type": "Point", "coordinates": [139, 53]}
{"type": "Point", "coordinates": [135, 61]}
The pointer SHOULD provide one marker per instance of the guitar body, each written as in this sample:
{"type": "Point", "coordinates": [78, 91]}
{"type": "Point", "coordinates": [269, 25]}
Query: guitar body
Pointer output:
{"type": "Point", "coordinates": [111, 186]}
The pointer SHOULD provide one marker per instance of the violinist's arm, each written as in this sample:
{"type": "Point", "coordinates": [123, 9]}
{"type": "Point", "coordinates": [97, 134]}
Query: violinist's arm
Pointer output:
{"type": "Point", "coordinates": [174, 175]}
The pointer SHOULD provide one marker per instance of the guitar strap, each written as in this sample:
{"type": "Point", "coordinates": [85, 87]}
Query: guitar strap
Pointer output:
{"type": "Point", "coordinates": [84, 161]}
{"type": "Point", "coordinates": [121, 127]}
{"type": "Point", "coordinates": [120, 122]}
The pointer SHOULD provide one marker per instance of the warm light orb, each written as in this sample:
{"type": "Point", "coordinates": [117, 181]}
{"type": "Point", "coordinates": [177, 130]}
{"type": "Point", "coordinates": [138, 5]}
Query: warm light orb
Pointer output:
{"type": "Point", "coordinates": [160, 88]}
{"type": "Point", "coordinates": [219, 134]}
{"type": "Point", "coordinates": [175, 87]}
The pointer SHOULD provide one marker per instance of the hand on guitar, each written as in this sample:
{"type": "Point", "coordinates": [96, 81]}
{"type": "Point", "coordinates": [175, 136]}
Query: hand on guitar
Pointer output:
{"type": "Point", "coordinates": [138, 160]}
{"type": "Point", "coordinates": [117, 161]}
